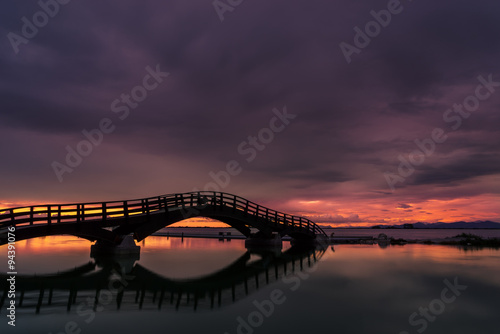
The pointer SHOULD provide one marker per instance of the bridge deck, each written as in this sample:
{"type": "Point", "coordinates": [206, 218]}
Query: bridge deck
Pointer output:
{"type": "Point", "coordinates": [145, 216]}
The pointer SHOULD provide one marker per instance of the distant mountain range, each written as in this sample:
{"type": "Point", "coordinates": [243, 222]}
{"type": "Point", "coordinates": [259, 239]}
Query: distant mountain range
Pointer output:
{"type": "Point", "coordinates": [477, 224]}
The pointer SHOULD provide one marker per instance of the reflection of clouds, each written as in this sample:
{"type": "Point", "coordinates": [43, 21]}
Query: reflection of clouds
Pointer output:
{"type": "Point", "coordinates": [367, 289]}
{"type": "Point", "coordinates": [52, 253]}
{"type": "Point", "coordinates": [367, 261]}
{"type": "Point", "coordinates": [50, 244]}
{"type": "Point", "coordinates": [356, 289]}
{"type": "Point", "coordinates": [163, 242]}
{"type": "Point", "coordinates": [192, 258]}
{"type": "Point", "coordinates": [220, 286]}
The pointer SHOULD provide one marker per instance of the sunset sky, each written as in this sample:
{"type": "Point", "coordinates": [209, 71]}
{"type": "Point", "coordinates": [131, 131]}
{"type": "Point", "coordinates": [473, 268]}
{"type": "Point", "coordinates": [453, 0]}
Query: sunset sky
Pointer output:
{"type": "Point", "coordinates": [328, 130]}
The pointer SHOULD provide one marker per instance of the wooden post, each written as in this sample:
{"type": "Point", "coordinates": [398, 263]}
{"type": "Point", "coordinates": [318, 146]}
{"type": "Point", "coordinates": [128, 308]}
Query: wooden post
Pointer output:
{"type": "Point", "coordinates": [21, 298]}
{"type": "Point", "coordinates": [104, 213]}
{"type": "Point", "coordinates": [49, 215]}
{"type": "Point", "coordinates": [125, 211]}
{"type": "Point", "coordinates": [165, 205]}
{"type": "Point", "coordinates": [40, 300]}
{"type": "Point", "coordinates": [200, 201]}
{"type": "Point", "coordinates": [83, 212]}
{"type": "Point", "coordinates": [162, 296]}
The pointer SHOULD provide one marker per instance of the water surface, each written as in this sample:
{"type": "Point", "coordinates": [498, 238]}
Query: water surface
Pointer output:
{"type": "Point", "coordinates": [350, 289]}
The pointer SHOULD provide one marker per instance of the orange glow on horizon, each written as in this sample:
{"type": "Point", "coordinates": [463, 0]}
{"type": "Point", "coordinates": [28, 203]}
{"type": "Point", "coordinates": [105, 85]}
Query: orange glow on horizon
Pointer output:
{"type": "Point", "coordinates": [352, 211]}
{"type": "Point", "coordinates": [68, 244]}
{"type": "Point", "coordinates": [50, 244]}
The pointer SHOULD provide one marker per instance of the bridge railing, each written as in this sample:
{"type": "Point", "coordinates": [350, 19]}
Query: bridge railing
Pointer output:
{"type": "Point", "coordinates": [102, 211]}
{"type": "Point", "coordinates": [251, 208]}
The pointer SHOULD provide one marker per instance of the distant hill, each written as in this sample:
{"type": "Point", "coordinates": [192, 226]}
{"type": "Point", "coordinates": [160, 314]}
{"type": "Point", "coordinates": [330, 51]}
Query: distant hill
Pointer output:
{"type": "Point", "coordinates": [477, 224]}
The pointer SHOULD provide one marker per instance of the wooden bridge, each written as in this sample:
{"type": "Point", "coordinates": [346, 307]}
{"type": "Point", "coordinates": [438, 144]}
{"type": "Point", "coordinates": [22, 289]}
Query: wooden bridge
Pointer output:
{"type": "Point", "coordinates": [110, 222]}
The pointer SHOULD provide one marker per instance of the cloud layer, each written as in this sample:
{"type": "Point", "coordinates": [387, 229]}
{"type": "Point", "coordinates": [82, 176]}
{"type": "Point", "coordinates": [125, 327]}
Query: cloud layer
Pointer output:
{"type": "Point", "coordinates": [352, 123]}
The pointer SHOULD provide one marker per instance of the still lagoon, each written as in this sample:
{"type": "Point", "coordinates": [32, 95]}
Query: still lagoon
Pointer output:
{"type": "Point", "coordinates": [193, 285]}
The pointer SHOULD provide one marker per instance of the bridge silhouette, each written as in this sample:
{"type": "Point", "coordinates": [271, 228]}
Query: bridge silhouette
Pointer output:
{"type": "Point", "coordinates": [109, 223]}
{"type": "Point", "coordinates": [146, 290]}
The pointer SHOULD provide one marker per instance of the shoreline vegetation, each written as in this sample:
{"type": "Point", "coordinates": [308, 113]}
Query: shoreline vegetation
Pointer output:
{"type": "Point", "coordinates": [461, 240]}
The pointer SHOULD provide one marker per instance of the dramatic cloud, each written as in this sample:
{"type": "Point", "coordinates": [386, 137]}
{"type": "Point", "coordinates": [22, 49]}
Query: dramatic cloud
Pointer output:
{"type": "Point", "coordinates": [354, 122]}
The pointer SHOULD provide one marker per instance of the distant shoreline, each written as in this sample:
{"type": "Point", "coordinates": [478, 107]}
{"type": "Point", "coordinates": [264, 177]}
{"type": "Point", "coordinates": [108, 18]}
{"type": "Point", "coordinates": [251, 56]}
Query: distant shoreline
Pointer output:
{"type": "Point", "coordinates": [415, 228]}
{"type": "Point", "coordinates": [363, 228]}
{"type": "Point", "coordinates": [464, 240]}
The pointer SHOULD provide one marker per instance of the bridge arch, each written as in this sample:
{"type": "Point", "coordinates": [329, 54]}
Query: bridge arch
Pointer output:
{"type": "Point", "coordinates": [109, 222]}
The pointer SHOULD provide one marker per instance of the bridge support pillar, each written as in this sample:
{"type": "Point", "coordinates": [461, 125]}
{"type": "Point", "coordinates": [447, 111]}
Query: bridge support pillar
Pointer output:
{"type": "Point", "coordinates": [125, 262]}
{"type": "Point", "coordinates": [126, 247]}
{"type": "Point", "coordinates": [259, 242]}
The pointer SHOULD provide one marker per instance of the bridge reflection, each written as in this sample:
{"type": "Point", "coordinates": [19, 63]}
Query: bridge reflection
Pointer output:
{"type": "Point", "coordinates": [108, 284]}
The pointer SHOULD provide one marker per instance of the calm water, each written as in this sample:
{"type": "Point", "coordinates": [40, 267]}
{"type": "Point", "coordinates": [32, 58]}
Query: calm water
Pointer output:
{"type": "Point", "coordinates": [413, 234]}
{"type": "Point", "coordinates": [341, 232]}
{"type": "Point", "coordinates": [204, 285]}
